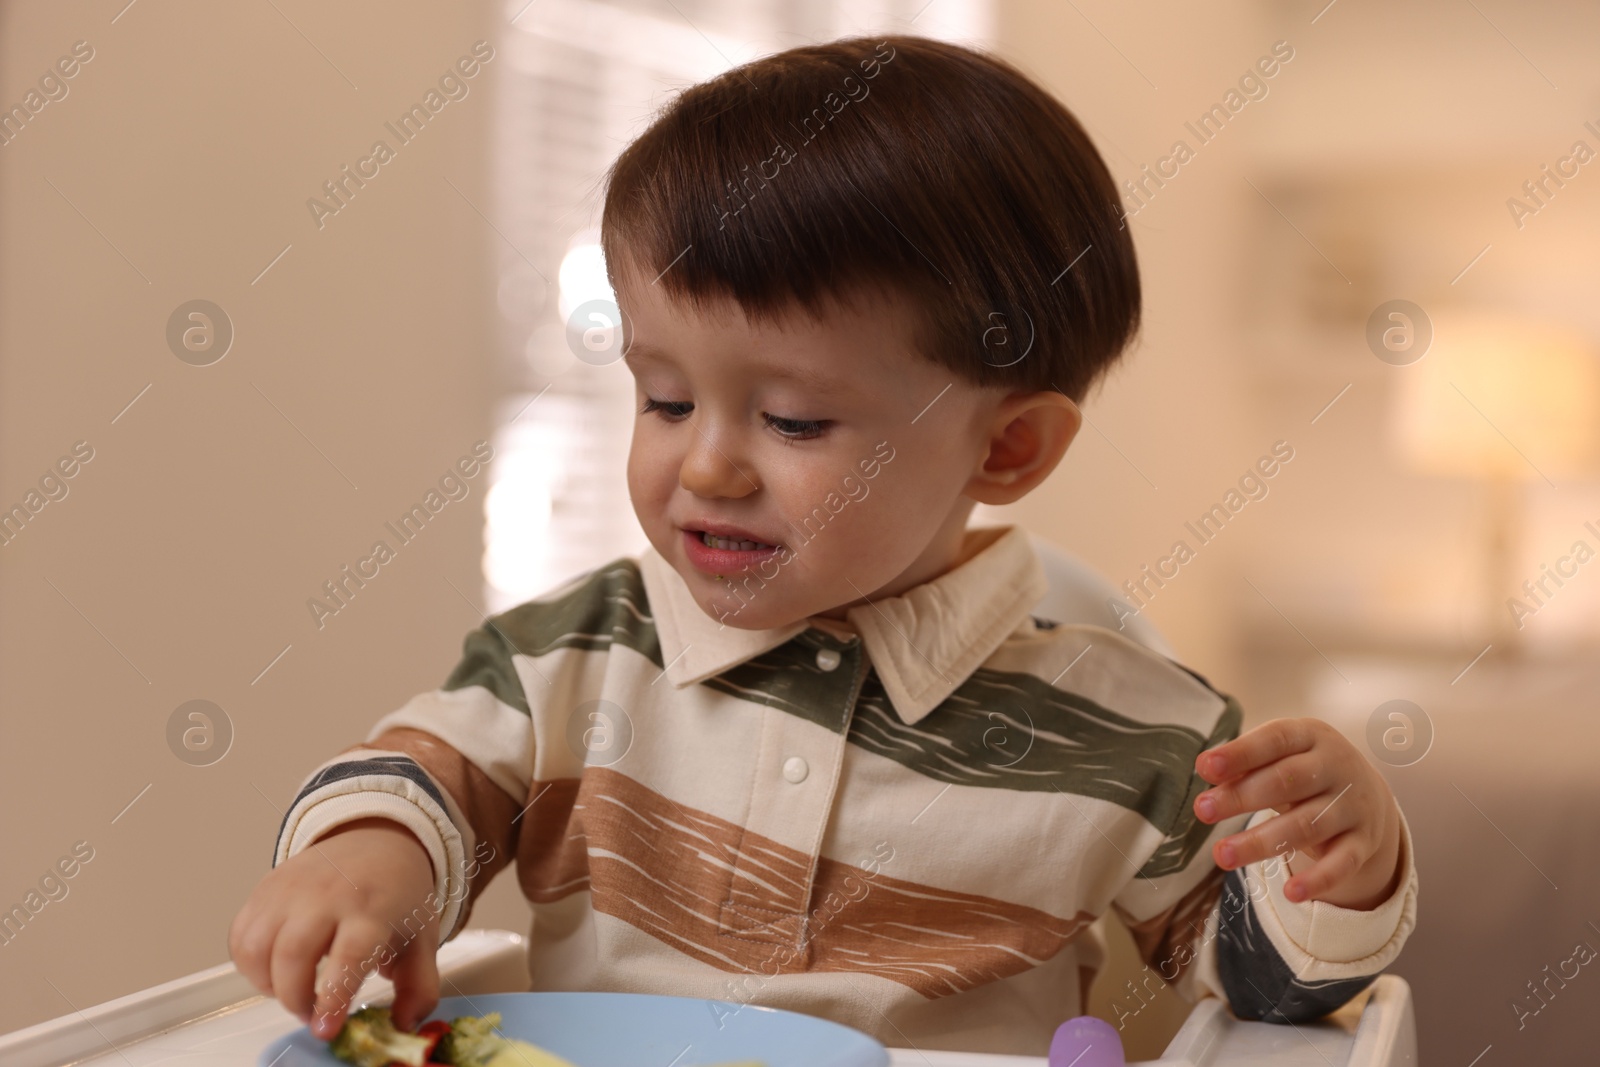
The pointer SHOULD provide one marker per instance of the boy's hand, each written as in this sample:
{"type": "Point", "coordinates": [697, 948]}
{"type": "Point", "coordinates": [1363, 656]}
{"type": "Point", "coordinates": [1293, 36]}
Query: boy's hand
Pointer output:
{"type": "Point", "coordinates": [356, 896]}
{"type": "Point", "coordinates": [1331, 803]}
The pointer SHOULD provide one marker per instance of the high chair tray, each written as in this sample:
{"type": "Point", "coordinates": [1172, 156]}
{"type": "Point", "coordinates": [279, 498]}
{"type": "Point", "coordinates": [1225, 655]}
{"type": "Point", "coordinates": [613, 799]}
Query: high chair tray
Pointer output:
{"type": "Point", "coordinates": [215, 1018]}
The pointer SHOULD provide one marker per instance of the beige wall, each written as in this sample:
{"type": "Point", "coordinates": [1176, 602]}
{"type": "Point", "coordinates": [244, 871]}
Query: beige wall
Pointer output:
{"type": "Point", "coordinates": [1388, 145]}
{"type": "Point", "coordinates": [180, 563]}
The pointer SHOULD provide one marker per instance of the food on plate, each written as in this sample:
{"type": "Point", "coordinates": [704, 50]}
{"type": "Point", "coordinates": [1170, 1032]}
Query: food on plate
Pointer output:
{"type": "Point", "coordinates": [370, 1039]}
{"type": "Point", "coordinates": [473, 1042]}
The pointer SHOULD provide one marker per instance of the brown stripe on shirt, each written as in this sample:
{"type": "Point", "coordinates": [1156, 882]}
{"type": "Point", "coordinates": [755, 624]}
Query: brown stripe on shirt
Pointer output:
{"type": "Point", "coordinates": [739, 901]}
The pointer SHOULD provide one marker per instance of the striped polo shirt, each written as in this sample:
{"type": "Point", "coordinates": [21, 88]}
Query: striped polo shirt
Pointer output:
{"type": "Point", "coordinates": [905, 822]}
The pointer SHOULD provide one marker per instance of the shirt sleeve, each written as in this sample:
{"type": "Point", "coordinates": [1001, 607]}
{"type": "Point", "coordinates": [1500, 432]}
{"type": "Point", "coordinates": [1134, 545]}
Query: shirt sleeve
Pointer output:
{"type": "Point", "coordinates": [1233, 934]}
{"type": "Point", "coordinates": [1281, 961]}
{"type": "Point", "coordinates": [452, 766]}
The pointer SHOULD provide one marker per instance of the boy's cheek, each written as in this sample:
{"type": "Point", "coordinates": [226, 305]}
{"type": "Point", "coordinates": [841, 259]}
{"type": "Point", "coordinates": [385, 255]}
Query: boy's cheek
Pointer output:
{"type": "Point", "coordinates": [650, 480]}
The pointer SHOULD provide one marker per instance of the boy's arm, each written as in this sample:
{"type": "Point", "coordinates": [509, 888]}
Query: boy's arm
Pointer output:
{"type": "Point", "coordinates": [451, 766]}
{"type": "Point", "coordinates": [1282, 961]}
{"type": "Point", "coordinates": [1233, 934]}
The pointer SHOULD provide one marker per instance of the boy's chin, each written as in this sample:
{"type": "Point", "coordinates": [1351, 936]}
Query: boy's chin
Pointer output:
{"type": "Point", "coordinates": [728, 609]}
{"type": "Point", "coordinates": [729, 612]}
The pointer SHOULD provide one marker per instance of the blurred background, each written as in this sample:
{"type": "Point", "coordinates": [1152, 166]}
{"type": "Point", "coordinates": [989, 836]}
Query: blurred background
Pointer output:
{"type": "Point", "coordinates": [226, 364]}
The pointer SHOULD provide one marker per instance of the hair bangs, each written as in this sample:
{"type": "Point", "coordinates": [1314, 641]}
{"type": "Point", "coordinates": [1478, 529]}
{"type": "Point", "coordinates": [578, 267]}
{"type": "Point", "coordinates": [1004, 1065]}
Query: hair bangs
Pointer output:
{"type": "Point", "coordinates": [899, 165]}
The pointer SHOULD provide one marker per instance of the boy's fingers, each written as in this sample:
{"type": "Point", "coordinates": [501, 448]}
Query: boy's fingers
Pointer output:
{"type": "Point", "coordinates": [295, 952]}
{"type": "Point", "coordinates": [327, 1022]}
{"type": "Point", "coordinates": [1275, 786]}
{"type": "Point", "coordinates": [416, 979]}
{"type": "Point", "coordinates": [1266, 743]}
{"type": "Point", "coordinates": [1338, 863]}
{"type": "Point", "coordinates": [1303, 827]}
{"type": "Point", "coordinates": [358, 946]}
{"type": "Point", "coordinates": [250, 945]}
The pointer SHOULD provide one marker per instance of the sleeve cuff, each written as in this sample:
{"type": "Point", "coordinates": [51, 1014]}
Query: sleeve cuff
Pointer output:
{"type": "Point", "coordinates": [365, 784]}
{"type": "Point", "coordinates": [1324, 941]}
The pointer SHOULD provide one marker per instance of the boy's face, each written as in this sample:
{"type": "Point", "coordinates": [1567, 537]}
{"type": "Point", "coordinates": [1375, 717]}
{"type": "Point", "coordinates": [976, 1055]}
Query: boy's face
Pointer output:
{"type": "Point", "coordinates": [829, 443]}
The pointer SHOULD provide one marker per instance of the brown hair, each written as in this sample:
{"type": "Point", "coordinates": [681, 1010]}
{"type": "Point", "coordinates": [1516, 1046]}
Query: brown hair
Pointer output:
{"type": "Point", "coordinates": [902, 164]}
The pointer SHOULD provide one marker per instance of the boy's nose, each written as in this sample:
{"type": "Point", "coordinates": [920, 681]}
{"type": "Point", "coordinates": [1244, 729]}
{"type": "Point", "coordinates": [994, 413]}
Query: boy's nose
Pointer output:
{"type": "Point", "coordinates": [715, 468]}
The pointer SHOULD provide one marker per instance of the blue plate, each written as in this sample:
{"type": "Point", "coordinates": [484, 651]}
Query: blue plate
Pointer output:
{"type": "Point", "coordinates": [634, 1029]}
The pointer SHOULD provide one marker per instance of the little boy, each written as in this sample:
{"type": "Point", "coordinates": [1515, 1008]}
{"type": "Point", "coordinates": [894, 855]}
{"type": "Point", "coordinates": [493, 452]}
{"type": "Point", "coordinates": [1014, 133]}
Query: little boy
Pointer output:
{"type": "Point", "coordinates": [811, 750]}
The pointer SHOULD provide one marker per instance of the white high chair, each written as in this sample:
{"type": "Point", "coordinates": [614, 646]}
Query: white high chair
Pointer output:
{"type": "Point", "coordinates": [1079, 594]}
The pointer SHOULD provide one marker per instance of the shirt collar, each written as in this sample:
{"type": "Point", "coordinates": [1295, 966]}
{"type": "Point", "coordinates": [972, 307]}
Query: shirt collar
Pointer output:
{"type": "Point", "coordinates": [923, 643]}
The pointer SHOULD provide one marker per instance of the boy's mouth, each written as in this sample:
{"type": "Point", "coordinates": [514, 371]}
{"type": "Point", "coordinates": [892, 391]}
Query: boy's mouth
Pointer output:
{"type": "Point", "coordinates": [727, 551]}
{"type": "Point", "coordinates": [734, 543]}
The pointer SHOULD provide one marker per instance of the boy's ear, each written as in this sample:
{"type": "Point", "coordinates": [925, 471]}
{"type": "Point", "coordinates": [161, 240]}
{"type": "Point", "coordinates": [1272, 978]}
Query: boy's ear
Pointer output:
{"type": "Point", "coordinates": [1027, 436]}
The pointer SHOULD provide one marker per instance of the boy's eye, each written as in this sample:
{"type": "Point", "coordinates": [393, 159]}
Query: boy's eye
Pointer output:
{"type": "Point", "coordinates": [792, 429]}
{"type": "Point", "coordinates": [670, 409]}
{"type": "Point", "coordinates": [798, 429]}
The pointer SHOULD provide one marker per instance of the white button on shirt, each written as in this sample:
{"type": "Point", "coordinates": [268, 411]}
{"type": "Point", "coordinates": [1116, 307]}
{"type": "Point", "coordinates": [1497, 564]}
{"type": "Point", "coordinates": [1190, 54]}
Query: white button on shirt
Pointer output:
{"type": "Point", "coordinates": [827, 659]}
{"type": "Point", "coordinates": [795, 769]}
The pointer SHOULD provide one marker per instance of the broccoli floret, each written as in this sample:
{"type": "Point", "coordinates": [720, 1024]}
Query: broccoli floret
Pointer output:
{"type": "Point", "coordinates": [369, 1039]}
{"type": "Point", "coordinates": [471, 1042]}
